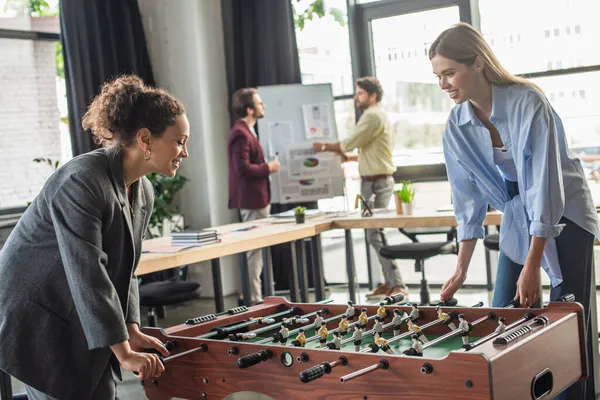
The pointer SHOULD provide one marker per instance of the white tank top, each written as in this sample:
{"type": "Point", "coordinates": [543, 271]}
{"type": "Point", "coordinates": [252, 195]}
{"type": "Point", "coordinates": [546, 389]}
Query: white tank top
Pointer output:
{"type": "Point", "coordinates": [505, 163]}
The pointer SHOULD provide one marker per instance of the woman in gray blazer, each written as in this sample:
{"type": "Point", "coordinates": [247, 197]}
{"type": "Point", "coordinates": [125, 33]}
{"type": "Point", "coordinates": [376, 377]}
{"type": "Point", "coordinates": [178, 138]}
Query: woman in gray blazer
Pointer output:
{"type": "Point", "coordinates": [69, 301]}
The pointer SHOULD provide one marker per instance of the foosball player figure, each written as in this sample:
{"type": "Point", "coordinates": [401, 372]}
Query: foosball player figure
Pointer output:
{"type": "Point", "coordinates": [237, 337]}
{"type": "Point", "coordinates": [414, 328]}
{"type": "Point", "coordinates": [318, 320]}
{"type": "Point", "coordinates": [414, 314]}
{"type": "Point", "coordinates": [351, 311]}
{"type": "Point", "coordinates": [336, 342]}
{"type": "Point", "coordinates": [300, 340]}
{"type": "Point", "coordinates": [381, 342]}
{"type": "Point", "coordinates": [284, 332]}
{"type": "Point", "coordinates": [416, 349]}
{"type": "Point", "coordinates": [465, 327]}
{"type": "Point", "coordinates": [501, 327]}
{"type": "Point", "coordinates": [263, 320]}
{"type": "Point", "coordinates": [363, 319]}
{"type": "Point", "coordinates": [378, 326]}
{"type": "Point", "coordinates": [447, 319]}
{"type": "Point", "coordinates": [397, 321]}
{"type": "Point", "coordinates": [357, 336]}
{"type": "Point", "coordinates": [296, 320]}
{"type": "Point", "coordinates": [323, 332]}
{"type": "Point", "coordinates": [343, 325]}
{"type": "Point", "coordinates": [381, 311]}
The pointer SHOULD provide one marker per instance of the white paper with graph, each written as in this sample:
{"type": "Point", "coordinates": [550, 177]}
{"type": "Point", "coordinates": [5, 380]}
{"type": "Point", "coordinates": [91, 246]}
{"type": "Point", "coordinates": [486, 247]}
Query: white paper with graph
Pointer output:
{"type": "Point", "coordinates": [305, 175]}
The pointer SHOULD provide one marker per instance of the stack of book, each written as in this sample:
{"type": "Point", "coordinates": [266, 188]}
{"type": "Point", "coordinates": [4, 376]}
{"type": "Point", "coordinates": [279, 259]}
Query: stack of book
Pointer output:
{"type": "Point", "coordinates": [194, 238]}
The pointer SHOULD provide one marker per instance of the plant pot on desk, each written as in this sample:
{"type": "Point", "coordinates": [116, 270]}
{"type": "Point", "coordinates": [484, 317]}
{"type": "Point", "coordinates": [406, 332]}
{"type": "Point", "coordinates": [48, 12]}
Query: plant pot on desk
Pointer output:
{"type": "Point", "coordinates": [407, 208]}
{"type": "Point", "coordinates": [399, 203]}
{"type": "Point", "coordinates": [300, 218]}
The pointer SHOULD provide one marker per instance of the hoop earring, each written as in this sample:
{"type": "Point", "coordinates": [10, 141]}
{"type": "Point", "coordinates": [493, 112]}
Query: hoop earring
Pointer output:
{"type": "Point", "coordinates": [147, 155]}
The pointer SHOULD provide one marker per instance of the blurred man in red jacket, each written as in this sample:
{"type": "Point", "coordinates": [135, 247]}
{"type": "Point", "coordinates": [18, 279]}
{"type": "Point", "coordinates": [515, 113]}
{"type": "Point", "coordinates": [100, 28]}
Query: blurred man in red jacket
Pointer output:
{"type": "Point", "coordinates": [249, 173]}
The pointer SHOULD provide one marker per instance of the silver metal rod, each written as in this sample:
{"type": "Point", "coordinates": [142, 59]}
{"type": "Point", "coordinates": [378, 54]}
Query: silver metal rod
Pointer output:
{"type": "Point", "coordinates": [454, 333]}
{"type": "Point", "coordinates": [382, 364]}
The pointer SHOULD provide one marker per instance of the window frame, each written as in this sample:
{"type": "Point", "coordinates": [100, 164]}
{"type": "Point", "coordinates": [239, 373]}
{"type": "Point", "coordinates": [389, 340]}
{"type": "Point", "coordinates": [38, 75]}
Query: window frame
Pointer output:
{"type": "Point", "coordinates": [11, 214]}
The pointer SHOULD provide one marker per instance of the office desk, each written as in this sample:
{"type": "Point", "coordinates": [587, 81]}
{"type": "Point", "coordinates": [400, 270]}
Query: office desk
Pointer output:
{"type": "Point", "coordinates": [236, 239]}
{"type": "Point", "coordinates": [389, 219]}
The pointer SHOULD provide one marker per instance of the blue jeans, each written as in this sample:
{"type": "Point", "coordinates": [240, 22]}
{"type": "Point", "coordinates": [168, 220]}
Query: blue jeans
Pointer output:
{"type": "Point", "coordinates": [575, 256]}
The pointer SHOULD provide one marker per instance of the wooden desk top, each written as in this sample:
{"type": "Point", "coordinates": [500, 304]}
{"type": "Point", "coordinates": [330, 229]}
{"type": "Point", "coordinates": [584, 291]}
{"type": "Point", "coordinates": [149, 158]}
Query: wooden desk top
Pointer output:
{"type": "Point", "coordinates": [389, 219]}
{"type": "Point", "coordinates": [232, 242]}
{"type": "Point", "coordinates": [268, 234]}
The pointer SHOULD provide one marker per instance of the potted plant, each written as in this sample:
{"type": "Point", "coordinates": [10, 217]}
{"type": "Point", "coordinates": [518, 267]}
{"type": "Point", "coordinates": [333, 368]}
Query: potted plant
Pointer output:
{"type": "Point", "coordinates": [405, 196]}
{"type": "Point", "coordinates": [165, 216]}
{"type": "Point", "coordinates": [299, 213]}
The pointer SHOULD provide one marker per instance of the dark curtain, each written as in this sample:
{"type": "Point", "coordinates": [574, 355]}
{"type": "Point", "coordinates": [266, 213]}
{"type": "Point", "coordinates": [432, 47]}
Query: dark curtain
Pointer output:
{"type": "Point", "coordinates": [101, 39]}
{"type": "Point", "coordinates": [260, 50]}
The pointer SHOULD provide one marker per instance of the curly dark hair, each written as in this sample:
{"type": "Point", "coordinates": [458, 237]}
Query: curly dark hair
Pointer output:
{"type": "Point", "coordinates": [371, 85]}
{"type": "Point", "coordinates": [125, 105]}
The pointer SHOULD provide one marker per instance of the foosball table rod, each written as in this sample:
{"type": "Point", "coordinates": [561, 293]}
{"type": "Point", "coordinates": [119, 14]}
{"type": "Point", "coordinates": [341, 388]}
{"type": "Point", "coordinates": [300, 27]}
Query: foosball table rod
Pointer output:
{"type": "Point", "coordinates": [493, 335]}
{"type": "Point", "coordinates": [383, 364]}
{"type": "Point", "coordinates": [459, 331]}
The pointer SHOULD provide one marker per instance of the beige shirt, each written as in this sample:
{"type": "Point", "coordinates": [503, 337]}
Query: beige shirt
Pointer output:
{"type": "Point", "coordinates": [375, 141]}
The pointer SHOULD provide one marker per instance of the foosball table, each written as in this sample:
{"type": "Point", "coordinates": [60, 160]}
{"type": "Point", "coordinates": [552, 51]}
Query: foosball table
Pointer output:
{"type": "Point", "coordinates": [379, 351]}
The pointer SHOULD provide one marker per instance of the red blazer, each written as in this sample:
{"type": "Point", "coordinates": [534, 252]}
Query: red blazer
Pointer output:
{"type": "Point", "coordinates": [248, 171]}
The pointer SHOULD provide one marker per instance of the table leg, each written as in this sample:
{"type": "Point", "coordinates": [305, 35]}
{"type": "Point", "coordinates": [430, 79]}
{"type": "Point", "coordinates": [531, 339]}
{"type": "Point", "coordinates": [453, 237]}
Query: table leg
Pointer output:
{"type": "Point", "coordinates": [293, 275]}
{"type": "Point", "coordinates": [302, 273]}
{"type": "Point", "coordinates": [245, 278]}
{"type": "Point", "coordinates": [215, 264]}
{"type": "Point", "coordinates": [369, 265]}
{"type": "Point", "coordinates": [317, 262]}
{"type": "Point", "coordinates": [268, 271]}
{"type": "Point", "coordinates": [350, 266]}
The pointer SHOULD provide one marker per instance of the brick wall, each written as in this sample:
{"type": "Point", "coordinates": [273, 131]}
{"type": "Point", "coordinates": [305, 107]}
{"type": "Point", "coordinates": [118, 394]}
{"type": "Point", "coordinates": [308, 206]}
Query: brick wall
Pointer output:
{"type": "Point", "coordinates": [29, 117]}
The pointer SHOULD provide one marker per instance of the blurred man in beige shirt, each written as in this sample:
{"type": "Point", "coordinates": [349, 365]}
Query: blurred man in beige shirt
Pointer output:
{"type": "Point", "coordinates": [375, 143]}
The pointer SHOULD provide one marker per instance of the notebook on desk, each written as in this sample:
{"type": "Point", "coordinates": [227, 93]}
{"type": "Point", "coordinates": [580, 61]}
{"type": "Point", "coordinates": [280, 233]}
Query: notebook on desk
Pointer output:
{"type": "Point", "coordinates": [290, 214]}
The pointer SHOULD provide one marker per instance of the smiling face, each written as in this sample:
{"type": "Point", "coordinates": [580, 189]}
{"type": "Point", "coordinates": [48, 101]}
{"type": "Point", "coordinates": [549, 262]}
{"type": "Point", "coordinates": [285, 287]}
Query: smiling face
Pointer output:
{"type": "Point", "coordinates": [168, 150]}
{"type": "Point", "coordinates": [460, 81]}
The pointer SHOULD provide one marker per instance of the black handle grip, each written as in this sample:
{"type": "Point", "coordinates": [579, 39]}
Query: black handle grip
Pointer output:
{"type": "Point", "coordinates": [315, 372]}
{"type": "Point", "coordinates": [569, 298]}
{"type": "Point", "coordinates": [480, 304]}
{"type": "Point", "coordinates": [237, 310]}
{"type": "Point", "coordinates": [397, 298]}
{"type": "Point", "coordinates": [448, 303]}
{"type": "Point", "coordinates": [514, 304]}
{"type": "Point", "coordinates": [169, 345]}
{"type": "Point", "coordinates": [254, 358]}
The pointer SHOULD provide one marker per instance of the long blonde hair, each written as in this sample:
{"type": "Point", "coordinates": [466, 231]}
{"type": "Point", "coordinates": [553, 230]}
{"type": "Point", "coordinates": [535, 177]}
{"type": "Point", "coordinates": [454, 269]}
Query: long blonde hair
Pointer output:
{"type": "Point", "coordinates": [463, 44]}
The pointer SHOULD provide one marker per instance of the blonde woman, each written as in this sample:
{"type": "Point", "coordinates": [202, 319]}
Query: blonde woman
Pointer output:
{"type": "Point", "coordinates": [505, 145]}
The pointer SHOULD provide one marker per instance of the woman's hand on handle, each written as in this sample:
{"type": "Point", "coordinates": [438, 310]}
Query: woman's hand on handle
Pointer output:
{"type": "Point", "coordinates": [139, 340]}
{"type": "Point", "coordinates": [467, 247]}
{"type": "Point", "coordinates": [452, 285]}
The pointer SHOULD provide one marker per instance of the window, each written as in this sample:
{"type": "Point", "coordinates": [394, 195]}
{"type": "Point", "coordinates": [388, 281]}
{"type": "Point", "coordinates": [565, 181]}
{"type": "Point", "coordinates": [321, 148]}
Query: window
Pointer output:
{"type": "Point", "coordinates": [417, 108]}
{"type": "Point", "coordinates": [543, 36]}
{"type": "Point", "coordinates": [33, 105]}
{"type": "Point", "coordinates": [324, 45]}
{"type": "Point", "coordinates": [579, 113]}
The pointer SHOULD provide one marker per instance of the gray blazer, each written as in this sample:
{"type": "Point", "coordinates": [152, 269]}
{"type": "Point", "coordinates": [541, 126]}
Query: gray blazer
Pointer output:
{"type": "Point", "coordinates": [67, 283]}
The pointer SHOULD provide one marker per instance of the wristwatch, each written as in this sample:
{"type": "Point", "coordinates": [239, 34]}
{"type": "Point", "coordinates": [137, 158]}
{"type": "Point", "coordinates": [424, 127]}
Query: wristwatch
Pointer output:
{"type": "Point", "coordinates": [323, 147]}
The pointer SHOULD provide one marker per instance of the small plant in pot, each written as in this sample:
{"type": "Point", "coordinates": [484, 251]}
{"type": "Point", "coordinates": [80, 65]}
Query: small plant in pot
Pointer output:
{"type": "Point", "coordinates": [406, 195]}
{"type": "Point", "coordinates": [299, 213]}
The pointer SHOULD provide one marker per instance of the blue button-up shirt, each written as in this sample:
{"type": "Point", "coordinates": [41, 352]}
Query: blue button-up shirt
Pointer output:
{"type": "Point", "coordinates": [551, 180]}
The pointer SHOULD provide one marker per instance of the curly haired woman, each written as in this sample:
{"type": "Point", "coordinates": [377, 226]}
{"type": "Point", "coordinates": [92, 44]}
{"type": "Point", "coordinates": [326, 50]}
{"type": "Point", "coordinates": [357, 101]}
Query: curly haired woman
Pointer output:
{"type": "Point", "coordinates": [69, 301]}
